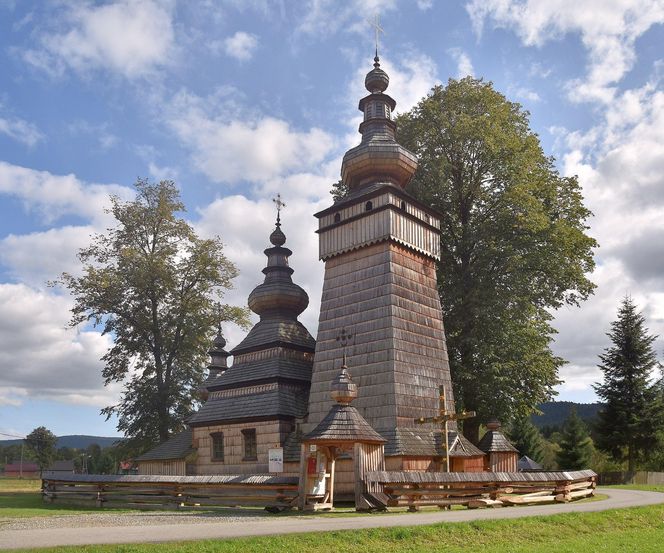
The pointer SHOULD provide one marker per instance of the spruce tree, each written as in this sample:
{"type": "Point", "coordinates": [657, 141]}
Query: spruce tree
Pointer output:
{"type": "Point", "coordinates": [527, 438]}
{"type": "Point", "coordinates": [576, 447]}
{"type": "Point", "coordinates": [627, 425]}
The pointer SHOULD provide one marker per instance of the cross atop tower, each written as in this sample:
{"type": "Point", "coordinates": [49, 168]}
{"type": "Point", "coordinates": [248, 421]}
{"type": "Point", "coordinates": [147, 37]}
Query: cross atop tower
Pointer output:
{"type": "Point", "coordinates": [377, 29]}
{"type": "Point", "coordinates": [279, 205]}
{"type": "Point", "coordinates": [344, 339]}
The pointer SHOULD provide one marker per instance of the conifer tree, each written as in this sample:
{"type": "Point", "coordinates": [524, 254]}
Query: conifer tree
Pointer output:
{"type": "Point", "coordinates": [576, 447]}
{"type": "Point", "coordinates": [527, 438]}
{"type": "Point", "coordinates": [627, 425]}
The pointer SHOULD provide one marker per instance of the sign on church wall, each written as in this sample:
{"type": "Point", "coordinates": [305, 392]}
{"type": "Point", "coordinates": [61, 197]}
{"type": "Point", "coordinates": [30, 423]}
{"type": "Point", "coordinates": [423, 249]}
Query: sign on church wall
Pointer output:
{"type": "Point", "coordinates": [275, 457]}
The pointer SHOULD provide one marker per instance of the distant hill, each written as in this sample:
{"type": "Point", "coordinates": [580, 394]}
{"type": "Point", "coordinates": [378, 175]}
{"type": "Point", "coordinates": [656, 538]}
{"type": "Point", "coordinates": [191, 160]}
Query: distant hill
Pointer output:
{"type": "Point", "coordinates": [75, 441]}
{"type": "Point", "coordinates": [554, 413]}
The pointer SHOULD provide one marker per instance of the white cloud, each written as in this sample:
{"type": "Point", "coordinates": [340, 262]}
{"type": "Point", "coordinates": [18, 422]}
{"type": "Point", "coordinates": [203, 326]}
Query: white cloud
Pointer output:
{"type": "Point", "coordinates": [128, 37]}
{"type": "Point", "coordinates": [323, 18]}
{"type": "Point", "coordinates": [54, 196]}
{"type": "Point", "coordinates": [20, 130]}
{"type": "Point", "coordinates": [229, 147]}
{"type": "Point", "coordinates": [241, 46]}
{"type": "Point", "coordinates": [525, 93]}
{"type": "Point", "coordinates": [425, 4]}
{"type": "Point", "coordinates": [228, 218]}
{"type": "Point", "coordinates": [608, 30]}
{"type": "Point", "coordinates": [42, 357]}
{"type": "Point", "coordinates": [462, 59]}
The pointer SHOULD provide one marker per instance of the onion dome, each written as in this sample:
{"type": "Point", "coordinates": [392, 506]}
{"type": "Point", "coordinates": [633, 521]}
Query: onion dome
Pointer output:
{"type": "Point", "coordinates": [376, 80]}
{"type": "Point", "coordinates": [378, 158]}
{"type": "Point", "coordinates": [218, 363]}
{"type": "Point", "coordinates": [278, 296]}
{"type": "Point", "coordinates": [342, 389]}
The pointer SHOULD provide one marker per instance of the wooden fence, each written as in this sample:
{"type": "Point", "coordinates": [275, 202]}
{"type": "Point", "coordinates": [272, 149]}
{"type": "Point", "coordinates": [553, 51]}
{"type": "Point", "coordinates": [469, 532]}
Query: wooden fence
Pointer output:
{"type": "Point", "coordinates": [265, 490]}
{"type": "Point", "coordinates": [477, 489]}
{"type": "Point", "coordinates": [638, 477]}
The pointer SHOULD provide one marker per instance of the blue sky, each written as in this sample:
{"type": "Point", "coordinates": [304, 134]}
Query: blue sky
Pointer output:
{"type": "Point", "coordinates": [239, 100]}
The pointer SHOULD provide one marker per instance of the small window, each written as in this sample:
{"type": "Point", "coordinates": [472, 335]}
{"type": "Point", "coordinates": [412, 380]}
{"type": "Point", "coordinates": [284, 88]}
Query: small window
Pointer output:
{"type": "Point", "coordinates": [250, 450]}
{"type": "Point", "coordinates": [217, 446]}
{"type": "Point", "coordinates": [403, 206]}
{"type": "Point", "coordinates": [337, 217]}
{"type": "Point", "coordinates": [368, 206]}
{"type": "Point", "coordinates": [427, 218]}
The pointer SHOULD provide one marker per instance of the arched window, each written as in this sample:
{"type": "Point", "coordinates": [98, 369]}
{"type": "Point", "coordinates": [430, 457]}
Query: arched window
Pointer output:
{"type": "Point", "coordinates": [427, 218]}
{"type": "Point", "coordinates": [403, 206]}
{"type": "Point", "coordinates": [337, 217]}
{"type": "Point", "coordinates": [368, 206]}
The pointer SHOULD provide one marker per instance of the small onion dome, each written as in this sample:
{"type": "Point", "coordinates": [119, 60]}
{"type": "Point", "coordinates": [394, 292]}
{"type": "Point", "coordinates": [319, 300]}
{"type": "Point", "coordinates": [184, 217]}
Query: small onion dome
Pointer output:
{"type": "Point", "coordinates": [376, 80]}
{"type": "Point", "coordinates": [218, 344]}
{"type": "Point", "coordinates": [278, 238]}
{"type": "Point", "coordinates": [343, 390]}
{"type": "Point", "coordinates": [493, 424]}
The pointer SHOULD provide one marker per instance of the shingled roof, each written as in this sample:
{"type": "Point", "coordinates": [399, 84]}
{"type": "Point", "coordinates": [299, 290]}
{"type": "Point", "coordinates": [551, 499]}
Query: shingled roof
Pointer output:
{"type": "Point", "coordinates": [343, 423]}
{"type": "Point", "coordinates": [264, 369]}
{"type": "Point", "coordinates": [177, 446]}
{"type": "Point", "coordinates": [282, 401]}
{"type": "Point", "coordinates": [461, 447]}
{"type": "Point", "coordinates": [270, 332]}
{"type": "Point", "coordinates": [494, 440]}
{"type": "Point", "coordinates": [426, 442]}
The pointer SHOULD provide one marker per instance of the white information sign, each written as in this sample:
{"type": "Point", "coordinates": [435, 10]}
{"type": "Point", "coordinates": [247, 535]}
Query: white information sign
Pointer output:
{"type": "Point", "coordinates": [275, 457]}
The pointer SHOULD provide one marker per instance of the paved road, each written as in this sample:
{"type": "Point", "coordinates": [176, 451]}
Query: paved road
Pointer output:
{"type": "Point", "coordinates": [233, 528]}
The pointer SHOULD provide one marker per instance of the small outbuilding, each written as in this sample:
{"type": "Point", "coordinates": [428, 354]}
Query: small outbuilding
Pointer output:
{"type": "Point", "coordinates": [501, 455]}
{"type": "Point", "coordinates": [342, 431]}
{"type": "Point", "coordinates": [61, 468]}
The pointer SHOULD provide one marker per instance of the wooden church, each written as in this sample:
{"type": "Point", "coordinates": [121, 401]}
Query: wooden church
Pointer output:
{"type": "Point", "coordinates": [380, 313]}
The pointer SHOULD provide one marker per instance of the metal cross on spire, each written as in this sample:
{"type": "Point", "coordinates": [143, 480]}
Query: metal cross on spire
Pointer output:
{"type": "Point", "coordinates": [279, 205]}
{"type": "Point", "coordinates": [344, 339]}
{"type": "Point", "coordinates": [377, 29]}
{"type": "Point", "coordinates": [219, 316]}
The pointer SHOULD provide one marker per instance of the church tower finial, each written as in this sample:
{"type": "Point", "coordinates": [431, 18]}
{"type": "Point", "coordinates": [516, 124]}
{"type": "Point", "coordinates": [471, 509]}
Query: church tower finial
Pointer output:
{"type": "Point", "coordinates": [379, 158]}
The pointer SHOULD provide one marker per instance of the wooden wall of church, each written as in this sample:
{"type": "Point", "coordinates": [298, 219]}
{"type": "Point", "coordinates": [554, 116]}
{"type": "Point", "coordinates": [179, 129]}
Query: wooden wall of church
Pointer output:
{"type": "Point", "coordinates": [269, 434]}
{"type": "Point", "coordinates": [175, 467]}
{"type": "Point", "coordinates": [386, 296]}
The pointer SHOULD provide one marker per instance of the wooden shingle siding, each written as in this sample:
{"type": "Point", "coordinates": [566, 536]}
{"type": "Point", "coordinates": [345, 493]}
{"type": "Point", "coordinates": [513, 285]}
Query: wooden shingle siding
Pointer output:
{"type": "Point", "coordinates": [386, 296]}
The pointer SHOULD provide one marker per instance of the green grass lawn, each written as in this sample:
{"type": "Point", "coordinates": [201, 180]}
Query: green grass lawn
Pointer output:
{"type": "Point", "coordinates": [626, 530]}
{"type": "Point", "coordinates": [644, 487]}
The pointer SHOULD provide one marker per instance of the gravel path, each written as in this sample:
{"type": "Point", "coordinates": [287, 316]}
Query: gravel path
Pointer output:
{"type": "Point", "coordinates": [142, 518]}
{"type": "Point", "coordinates": [162, 527]}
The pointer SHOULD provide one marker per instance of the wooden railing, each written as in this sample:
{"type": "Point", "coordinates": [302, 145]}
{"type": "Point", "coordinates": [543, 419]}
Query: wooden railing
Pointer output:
{"type": "Point", "coordinates": [478, 489]}
{"type": "Point", "coordinates": [266, 490]}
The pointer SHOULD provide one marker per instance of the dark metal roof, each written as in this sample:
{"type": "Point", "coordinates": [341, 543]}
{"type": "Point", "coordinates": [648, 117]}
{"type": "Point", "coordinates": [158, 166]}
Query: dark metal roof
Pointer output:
{"type": "Point", "coordinates": [177, 446]}
{"type": "Point", "coordinates": [267, 332]}
{"type": "Point", "coordinates": [494, 440]}
{"type": "Point", "coordinates": [344, 423]}
{"type": "Point", "coordinates": [526, 463]}
{"type": "Point", "coordinates": [281, 402]}
{"type": "Point", "coordinates": [262, 370]}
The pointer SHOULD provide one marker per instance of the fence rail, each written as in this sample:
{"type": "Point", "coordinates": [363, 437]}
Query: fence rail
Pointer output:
{"type": "Point", "coordinates": [477, 490]}
{"type": "Point", "coordinates": [638, 477]}
{"type": "Point", "coordinates": [266, 490]}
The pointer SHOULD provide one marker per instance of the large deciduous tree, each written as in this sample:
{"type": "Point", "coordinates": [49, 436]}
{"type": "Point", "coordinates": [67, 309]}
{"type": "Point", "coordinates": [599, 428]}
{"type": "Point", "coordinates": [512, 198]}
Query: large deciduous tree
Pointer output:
{"type": "Point", "coordinates": [41, 442]}
{"type": "Point", "coordinates": [513, 242]}
{"type": "Point", "coordinates": [153, 285]}
{"type": "Point", "coordinates": [629, 421]}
